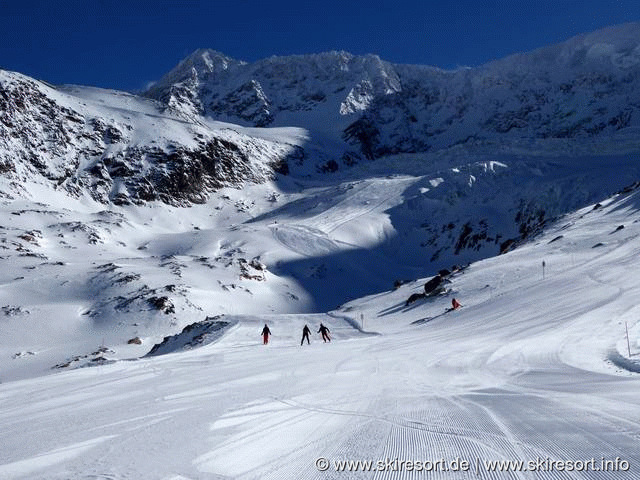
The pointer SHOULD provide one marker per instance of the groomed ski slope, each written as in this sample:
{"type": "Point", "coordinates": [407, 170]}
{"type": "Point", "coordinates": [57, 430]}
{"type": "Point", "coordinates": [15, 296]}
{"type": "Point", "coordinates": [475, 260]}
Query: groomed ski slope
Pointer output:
{"type": "Point", "coordinates": [522, 372]}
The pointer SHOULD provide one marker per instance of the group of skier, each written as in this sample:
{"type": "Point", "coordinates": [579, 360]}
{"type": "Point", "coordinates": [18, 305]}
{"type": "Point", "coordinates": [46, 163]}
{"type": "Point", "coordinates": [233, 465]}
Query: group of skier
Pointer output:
{"type": "Point", "coordinates": [324, 331]}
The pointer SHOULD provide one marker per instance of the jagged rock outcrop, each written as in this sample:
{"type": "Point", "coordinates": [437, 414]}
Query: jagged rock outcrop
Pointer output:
{"type": "Point", "coordinates": [86, 142]}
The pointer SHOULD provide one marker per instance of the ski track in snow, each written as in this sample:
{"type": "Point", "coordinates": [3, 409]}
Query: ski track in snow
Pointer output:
{"type": "Point", "coordinates": [528, 368]}
{"type": "Point", "coordinates": [306, 241]}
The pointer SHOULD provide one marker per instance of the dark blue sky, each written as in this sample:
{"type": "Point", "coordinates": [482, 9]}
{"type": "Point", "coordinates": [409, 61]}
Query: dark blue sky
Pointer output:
{"type": "Point", "coordinates": [125, 45]}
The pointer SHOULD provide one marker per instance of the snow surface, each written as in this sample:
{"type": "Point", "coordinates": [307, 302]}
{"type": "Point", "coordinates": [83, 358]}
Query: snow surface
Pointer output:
{"type": "Point", "coordinates": [526, 369]}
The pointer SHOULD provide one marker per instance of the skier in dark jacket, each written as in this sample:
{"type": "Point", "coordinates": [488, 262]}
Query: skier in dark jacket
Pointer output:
{"type": "Point", "coordinates": [305, 334]}
{"type": "Point", "coordinates": [265, 334]}
{"type": "Point", "coordinates": [325, 333]}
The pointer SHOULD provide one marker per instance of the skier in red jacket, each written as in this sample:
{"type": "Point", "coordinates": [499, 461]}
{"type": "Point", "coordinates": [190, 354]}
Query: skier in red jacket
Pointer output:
{"type": "Point", "coordinates": [455, 304]}
{"type": "Point", "coordinates": [265, 334]}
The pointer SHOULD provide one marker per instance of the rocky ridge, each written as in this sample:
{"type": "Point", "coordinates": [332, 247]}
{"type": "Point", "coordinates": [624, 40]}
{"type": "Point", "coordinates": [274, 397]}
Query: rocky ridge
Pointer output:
{"type": "Point", "coordinates": [583, 89]}
{"type": "Point", "coordinates": [119, 148]}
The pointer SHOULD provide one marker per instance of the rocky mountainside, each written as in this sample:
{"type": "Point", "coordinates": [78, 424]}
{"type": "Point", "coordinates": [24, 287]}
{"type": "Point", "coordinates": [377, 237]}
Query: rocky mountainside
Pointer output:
{"type": "Point", "coordinates": [578, 97]}
{"type": "Point", "coordinates": [119, 148]}
{"type": "Point", "coordinates": [583, 89]}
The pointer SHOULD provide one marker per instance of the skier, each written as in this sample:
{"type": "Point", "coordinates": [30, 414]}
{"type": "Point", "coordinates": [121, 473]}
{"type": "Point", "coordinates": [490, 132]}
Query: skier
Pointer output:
{"type": "Point", "coordinates": [305, 334]}
{"type": "Point", "coordinates": [265, 334]}
{"type": "Point", "coordinates": [455, 304]}
{"type": "Point", "coordinates": [325, 333]}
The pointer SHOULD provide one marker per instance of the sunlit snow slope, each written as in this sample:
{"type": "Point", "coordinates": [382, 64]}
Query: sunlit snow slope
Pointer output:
{"type": "Point", "coordinates": [152, 242]}
{"type": "Point", "coordinates": [530, 367]}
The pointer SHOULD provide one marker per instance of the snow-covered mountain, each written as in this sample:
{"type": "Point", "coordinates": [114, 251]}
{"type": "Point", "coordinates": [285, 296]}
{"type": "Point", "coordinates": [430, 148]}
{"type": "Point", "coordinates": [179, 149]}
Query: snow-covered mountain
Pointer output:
{"type": "Point", "coordinates": [523, 139]}
{"type": "Point", "coordinates": [583, 89]}
{"type": "Point", "coordinates": [116, 147]}
{"type": "Point", "coordinates": [340, 177]}
{"type": "Point", "coordinates": [153, 236]}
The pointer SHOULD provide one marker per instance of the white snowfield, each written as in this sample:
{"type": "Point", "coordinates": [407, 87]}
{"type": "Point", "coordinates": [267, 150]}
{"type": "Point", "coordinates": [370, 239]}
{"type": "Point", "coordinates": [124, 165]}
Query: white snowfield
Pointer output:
{"type": "Point", "coordinates": [539, 369]}
{"type": "Point", "coordinates": [532, 369]}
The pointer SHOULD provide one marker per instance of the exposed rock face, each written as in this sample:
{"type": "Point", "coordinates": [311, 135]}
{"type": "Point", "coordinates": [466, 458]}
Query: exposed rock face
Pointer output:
{"type": "Point", "coordinates": [36, 132]}
{"type": "Point", "coordinates": [61, 136]}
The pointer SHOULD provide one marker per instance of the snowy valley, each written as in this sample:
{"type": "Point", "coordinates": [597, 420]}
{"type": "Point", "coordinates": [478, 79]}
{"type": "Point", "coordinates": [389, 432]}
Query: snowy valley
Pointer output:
{"type": "Point", "coordinates": [150, 237]}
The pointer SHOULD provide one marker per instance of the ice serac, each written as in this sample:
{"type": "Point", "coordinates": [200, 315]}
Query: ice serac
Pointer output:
{"type": "Point", "coordinates": [584, 88]}
{"type": "Point", "coordinates": [120, 148]}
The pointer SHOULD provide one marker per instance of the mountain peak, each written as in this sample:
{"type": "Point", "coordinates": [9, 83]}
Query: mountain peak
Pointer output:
{"type": "Point", "coordinates": [209, 60]}
{"type": "Point", "coordinates": [584, 87]}
{"type": "Point", "coordinates": [203, 62]}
